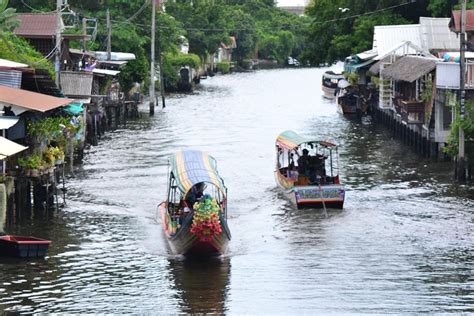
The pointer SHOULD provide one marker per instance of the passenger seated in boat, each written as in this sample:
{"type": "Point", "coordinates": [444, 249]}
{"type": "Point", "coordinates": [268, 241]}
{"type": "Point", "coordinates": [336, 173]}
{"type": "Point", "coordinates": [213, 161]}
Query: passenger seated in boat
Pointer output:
{"type": "Point", "coordinates": [292, 173]}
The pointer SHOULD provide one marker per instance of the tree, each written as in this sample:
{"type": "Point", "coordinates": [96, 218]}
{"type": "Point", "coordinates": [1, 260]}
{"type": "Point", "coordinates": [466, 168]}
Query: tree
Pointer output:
{"type": "Point", "coordinates": [6, 14]}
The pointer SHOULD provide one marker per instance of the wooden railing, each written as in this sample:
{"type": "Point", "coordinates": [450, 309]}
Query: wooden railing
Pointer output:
{"type": "Point", "coordinates": [411, 111]}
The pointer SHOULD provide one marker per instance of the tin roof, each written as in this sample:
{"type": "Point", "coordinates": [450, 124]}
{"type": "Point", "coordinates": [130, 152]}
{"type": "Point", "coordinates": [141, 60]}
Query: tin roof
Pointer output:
{"type": "Point", "coordinates": [436, 35]}
{"type": "Point", "coordinates": [455, 22]}
{"type": "Point", "coordinates": [388, 36]}
{"type": "Point", "coordinates": [30, 100]}
{"type": "Point", "coordinates": [36, 25]}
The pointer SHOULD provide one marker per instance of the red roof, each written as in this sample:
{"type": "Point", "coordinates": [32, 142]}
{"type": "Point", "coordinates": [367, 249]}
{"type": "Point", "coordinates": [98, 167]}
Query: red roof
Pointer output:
{"type": "Point", "coordinates": [36, 25]}
{"type": "Point", "coordinates": [455, 23]}
{"type": "Point", "coordinates": [30, 100]}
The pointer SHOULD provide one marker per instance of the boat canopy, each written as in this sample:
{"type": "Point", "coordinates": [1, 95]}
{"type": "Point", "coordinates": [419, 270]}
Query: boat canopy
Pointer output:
{"type": "Point", "coordinates": [290, 140]}
{"type": "Point", "coordinates": [190, 167]}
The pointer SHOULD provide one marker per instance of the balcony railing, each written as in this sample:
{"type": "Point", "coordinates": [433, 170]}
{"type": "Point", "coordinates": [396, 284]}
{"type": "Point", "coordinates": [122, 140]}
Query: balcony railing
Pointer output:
{"type": "Point", "coordinates": [411, 111]}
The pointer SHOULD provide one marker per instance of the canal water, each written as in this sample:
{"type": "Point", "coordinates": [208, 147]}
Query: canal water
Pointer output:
{"type": "Point", "coordinates": [402, 244]}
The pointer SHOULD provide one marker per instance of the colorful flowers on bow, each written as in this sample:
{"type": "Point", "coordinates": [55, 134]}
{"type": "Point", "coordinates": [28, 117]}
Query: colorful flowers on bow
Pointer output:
{"type": "Point", "coordinates": [206, 223]}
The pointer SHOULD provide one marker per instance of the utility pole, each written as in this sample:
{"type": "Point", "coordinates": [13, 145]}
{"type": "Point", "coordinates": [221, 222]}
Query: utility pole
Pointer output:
{"type": "Point", "coordinates": [162, 82]}
{"type": "Point", "coordinates": [109, 36]}
{"type": "Point", "coordinates": [461, 170]}
{"type": "Point", "coordinates": [152, 62]}
{"type": "Point", "coordinates": [57, 62]}
{"type": "Point", "coordinates": [84, 33]}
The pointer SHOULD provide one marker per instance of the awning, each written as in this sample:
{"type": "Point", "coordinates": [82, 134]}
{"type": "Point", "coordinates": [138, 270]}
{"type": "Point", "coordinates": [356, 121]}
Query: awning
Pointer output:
{"type": "Point", "coordinates": [106, 72]}
{"type": "Point", "coordinates": [9, 148]}
{"type": "Point", "coordinates": [74, 108]}
{"type": "Point", "coordinates": [23, 100]}
{"type": "Point", "coordinates": [190, 167]}
{"type": "Point", "coordinates": [355, 67]}
{"type": "Point", "coordinates": [8, 121]}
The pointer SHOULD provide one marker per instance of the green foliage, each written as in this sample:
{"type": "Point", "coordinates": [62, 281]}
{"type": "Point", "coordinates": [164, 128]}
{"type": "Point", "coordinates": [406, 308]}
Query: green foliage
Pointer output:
{"type": "Point", "coordinates": [467, 124]}
{"type": "Point", "coordinates": [18, 49]}
{"type": "Point", "coordinates": [335, 35]}
{"type": "Point", "coordinates": [53, 129]}
{"type": "Point", "coordinates": [53, 154]}
{"type": "Point", "coordinates": [7, 24]}
{"type": "Point", "coordinates": [427, 93]}
{"type": "Point", "coordinates": [173, 62]}
{"type": "Point", "coordinates": [31, 162]}
{"type": "Point", "coordinates": [223, 67]}
{"type": "Point", "coordinates": [182, 60]}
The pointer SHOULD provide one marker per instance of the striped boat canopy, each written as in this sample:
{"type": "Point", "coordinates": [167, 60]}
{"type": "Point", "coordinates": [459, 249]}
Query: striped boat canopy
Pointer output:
{"type": "Point", "coordinates": [289, 140]}
{"type": "Point", "coordinates": [190, 167]}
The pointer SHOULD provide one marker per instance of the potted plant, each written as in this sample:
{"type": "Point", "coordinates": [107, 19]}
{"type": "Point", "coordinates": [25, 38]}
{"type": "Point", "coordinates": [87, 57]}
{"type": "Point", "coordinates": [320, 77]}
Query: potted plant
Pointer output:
{"type": "Point", "coordinates": [31, 165]}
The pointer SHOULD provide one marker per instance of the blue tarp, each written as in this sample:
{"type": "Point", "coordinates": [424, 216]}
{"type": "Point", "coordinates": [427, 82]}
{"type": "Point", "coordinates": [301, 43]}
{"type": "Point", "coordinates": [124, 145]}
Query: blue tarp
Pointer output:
{"type": "Point", "coordinates": [74, 108]}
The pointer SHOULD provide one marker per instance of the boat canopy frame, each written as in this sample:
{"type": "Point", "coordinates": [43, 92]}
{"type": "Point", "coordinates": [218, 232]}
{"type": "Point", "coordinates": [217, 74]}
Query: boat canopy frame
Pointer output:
{"type": "Point", "coordinates": [291, 141]}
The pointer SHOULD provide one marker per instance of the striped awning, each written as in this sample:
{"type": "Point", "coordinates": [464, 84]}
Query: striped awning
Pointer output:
{"type": "Point", "coordinates": [190, 167]}
{"type": "Point", "coordinates": [290, 140]}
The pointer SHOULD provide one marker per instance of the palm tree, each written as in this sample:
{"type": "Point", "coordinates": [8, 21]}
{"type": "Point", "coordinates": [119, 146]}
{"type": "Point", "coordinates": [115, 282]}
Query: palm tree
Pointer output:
{"type": "Point", "coordinates": [7, 24]}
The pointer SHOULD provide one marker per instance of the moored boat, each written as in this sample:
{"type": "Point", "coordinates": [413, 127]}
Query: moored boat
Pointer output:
{"type": "Point", "coordinates": [23, 246]}
{"type": "Point", "coordinates": [308, 171]}
{"type": "Point", "coordinates": [329, 83]}
{"type": "Point", "coordinates": [194, 215]}
{"type": "Point", "coordinates": [346, 99]}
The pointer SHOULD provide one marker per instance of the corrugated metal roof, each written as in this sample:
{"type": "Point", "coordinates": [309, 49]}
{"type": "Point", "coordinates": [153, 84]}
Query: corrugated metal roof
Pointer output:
{"type": "Point", "coordinates": [436, 35]}
{"type": "Point", "coordinates": [409, 68]}
{"type": "Point", "coordinates": [76, 84]}
{"type": "Point", "coordinates": [388, 36]}
{"type": "Point", "coordinates": [455, 22]}
{"type": "Point", "coordinates": [36, 25]}
{"type": "Point", "coordinates": [10, 78]}
{"type": "Point", "coordinates": [30, 100]}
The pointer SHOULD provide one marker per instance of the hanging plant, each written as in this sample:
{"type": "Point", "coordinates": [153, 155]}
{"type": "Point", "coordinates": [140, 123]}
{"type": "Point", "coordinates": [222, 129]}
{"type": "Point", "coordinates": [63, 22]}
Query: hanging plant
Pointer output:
{"type": "Point", "coordinates": [206, 223]}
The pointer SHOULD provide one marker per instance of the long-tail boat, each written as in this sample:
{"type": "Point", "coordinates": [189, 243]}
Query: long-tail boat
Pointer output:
{"type": "Point", "coordinates": [308, 171]}
{"type": "Point", "coordinates": [194, 215]}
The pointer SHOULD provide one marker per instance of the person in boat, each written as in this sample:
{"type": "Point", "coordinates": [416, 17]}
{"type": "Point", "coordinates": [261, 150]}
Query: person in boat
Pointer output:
{"type": "Point", "coordinates": [317, 169]}
{"type": "Point", "coordinates": [303, 163]}
{"type": "Point", "coordinates": [195, 194]}
{"type": "Point", "coordinates": [292, 172]}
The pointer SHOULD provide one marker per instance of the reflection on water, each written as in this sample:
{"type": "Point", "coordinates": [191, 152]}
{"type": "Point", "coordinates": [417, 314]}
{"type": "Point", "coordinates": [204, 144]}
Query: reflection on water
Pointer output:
{"type": "Point", "coordinates": [402, 244]}
{"type": "Point", "coordinates": [202, 284]}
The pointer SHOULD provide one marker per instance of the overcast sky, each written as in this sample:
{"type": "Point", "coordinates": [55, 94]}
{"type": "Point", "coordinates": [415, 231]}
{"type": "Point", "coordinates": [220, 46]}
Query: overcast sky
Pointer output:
{"type": "Point", "coordinates": [290, 2]}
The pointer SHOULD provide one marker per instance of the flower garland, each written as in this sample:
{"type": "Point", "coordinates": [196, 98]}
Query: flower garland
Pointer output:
{"type": "Point", "coordinates": [206, 222]}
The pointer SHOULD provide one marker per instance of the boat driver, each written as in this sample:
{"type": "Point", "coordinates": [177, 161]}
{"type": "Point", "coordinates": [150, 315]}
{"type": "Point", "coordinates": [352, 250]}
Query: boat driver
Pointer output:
{"type": "Point", "coordinates": [195, 194]}
{"type": "Point", "coordinates": [303, 162]}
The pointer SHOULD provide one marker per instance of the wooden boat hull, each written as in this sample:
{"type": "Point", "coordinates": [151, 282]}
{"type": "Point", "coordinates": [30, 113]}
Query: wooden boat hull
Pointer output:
{"type": "Point", "coordinates": [312, 196]}
{"type": "Point", "coordinates": [183, 242]}
{"type": "Point", "coordinates": [347, 104]}
{"type": "Point", "coordinates": [23, 246]}
{"type": "Point", "coordinates": [329, 93]}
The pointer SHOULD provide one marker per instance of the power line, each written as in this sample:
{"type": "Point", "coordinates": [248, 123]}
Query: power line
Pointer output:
{"type": "Point", "coordinates": [366, 13]}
